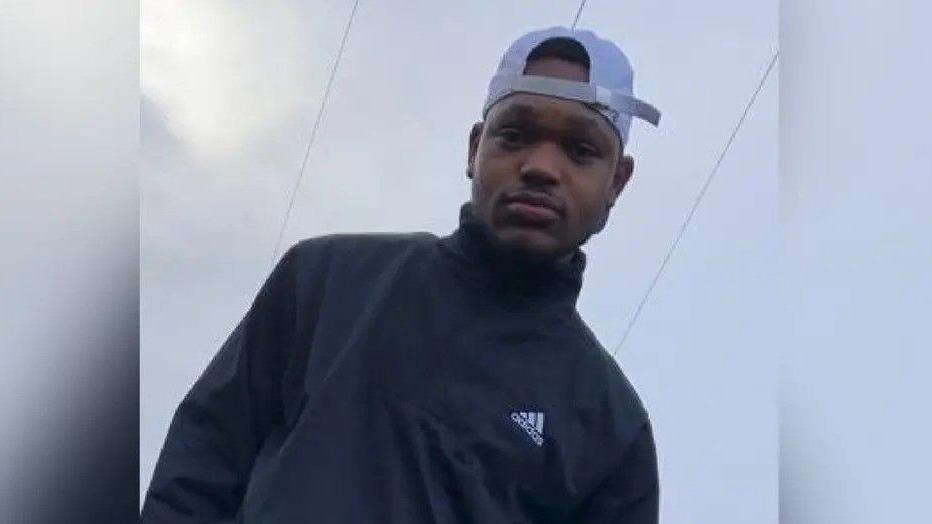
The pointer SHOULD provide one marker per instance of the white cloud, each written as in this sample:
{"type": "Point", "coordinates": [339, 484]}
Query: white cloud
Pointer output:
{"type": "Point", "coordinates": [225, 74]}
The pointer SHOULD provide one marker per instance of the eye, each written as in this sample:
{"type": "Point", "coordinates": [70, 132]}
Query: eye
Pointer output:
{"type": "Point", "coordinates": [583, 151]}
{"type": "Point", "coordinates": [510, 137]}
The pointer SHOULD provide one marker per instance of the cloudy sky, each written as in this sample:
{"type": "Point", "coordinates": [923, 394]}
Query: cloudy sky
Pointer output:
{"type": "Point", "coordinates": [230, 91]}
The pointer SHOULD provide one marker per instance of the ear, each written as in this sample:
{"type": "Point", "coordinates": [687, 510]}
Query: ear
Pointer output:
{"type": "Point", "coordinates": [623, 171]}
{"type": "Point", "coordinates": [474, 135]}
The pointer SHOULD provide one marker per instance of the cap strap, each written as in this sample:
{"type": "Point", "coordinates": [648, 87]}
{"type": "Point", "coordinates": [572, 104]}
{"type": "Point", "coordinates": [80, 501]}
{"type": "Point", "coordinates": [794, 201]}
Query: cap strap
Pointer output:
{"type": "Point", "coordinates": [604, 100]}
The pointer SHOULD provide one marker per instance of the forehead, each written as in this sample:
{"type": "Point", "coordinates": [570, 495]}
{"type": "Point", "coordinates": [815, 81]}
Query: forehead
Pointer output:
{"type": "Point", "coordinates": [551, 112]}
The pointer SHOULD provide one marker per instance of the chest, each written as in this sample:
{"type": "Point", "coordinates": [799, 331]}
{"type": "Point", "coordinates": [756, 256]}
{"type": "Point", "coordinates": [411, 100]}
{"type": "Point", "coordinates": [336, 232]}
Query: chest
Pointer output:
{"type": "Point", "coordinates": [495, 382]}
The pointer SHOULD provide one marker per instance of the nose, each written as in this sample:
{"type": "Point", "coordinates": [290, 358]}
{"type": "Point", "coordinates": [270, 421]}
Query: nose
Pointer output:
{"type": "Point", "coordinates": [542, 165]}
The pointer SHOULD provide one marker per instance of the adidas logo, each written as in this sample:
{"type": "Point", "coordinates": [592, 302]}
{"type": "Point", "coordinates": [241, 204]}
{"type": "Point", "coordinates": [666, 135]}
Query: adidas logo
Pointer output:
{"type": "Point", "coordinates": [532, 423]}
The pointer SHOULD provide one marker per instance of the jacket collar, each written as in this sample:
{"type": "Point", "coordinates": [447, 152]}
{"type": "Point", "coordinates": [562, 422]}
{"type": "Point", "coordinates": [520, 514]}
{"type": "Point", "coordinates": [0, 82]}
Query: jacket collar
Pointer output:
{"type": "Point", "coordinates": [473, 256]}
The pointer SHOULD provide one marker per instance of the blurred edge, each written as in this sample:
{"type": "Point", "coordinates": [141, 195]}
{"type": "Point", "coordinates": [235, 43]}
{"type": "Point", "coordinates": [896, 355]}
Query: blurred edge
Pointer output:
{"type": "Point", "coordinates": [856, 182]}
{"type": "Point", "coordinates": [69, 295]}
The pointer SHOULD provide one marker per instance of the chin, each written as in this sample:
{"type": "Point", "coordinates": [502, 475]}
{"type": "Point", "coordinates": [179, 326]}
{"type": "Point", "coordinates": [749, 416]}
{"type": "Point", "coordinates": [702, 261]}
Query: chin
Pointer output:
{"type": "Point", "coordinates": [529, 243]}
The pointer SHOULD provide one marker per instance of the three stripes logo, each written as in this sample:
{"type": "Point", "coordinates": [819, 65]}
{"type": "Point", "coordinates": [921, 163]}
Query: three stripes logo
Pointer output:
{"type": "Point", "coordinates": [532, 423]}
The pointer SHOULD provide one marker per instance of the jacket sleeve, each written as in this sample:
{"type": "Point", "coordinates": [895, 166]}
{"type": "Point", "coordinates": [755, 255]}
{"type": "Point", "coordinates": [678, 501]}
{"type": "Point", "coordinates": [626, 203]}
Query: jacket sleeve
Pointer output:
{"type": "Point", "coordinates": [630, 493]}
{"type": "Point", "coordinates": [218, 428]}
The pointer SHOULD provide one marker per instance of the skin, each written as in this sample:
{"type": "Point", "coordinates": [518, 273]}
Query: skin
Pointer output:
{"type": "Point", "coordinates": [546, 145]}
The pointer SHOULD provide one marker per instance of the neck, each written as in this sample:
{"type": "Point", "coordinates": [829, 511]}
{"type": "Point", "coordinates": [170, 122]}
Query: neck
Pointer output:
{"type": "Point", "coordinates": [477, 257]}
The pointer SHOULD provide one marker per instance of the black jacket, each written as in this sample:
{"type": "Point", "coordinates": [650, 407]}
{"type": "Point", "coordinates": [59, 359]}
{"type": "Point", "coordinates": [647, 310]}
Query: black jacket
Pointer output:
{"type": "Point", "coordinates": [406, 378]}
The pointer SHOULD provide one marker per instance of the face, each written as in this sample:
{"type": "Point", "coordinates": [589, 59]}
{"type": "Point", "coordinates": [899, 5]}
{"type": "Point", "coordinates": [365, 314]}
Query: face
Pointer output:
{"type": "Point", "coordinates": [545, 171]}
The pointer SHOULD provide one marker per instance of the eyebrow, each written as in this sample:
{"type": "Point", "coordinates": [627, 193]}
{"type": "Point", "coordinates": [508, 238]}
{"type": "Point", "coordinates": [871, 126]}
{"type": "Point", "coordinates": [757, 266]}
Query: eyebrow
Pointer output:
{"type": "Point", "coordinates": [575, 123]}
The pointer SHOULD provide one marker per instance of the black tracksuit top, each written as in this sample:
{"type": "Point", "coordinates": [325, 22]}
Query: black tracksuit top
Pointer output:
{"type": "Point", "coordinates": [406, 378]}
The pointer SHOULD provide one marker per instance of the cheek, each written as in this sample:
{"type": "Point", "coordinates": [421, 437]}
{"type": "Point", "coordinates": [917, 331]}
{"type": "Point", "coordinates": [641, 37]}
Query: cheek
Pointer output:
{"type": "Point", "coordinates": [490, 174]}
{"type": "Point", "coordinates": [481, 184]}
{"type": "Point", "coordinates": [484, 188]}
{"type": "Point", "coordinates": [589, 206]}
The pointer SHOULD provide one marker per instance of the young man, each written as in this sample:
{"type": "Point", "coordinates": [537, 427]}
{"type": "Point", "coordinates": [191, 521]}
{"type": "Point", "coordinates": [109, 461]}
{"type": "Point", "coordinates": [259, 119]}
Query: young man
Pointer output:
{"type": "Point", "coordinates": [406, 378]}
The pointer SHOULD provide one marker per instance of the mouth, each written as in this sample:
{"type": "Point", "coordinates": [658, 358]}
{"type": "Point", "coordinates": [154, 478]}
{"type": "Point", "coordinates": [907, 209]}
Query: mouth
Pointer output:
{"type": "Point", "coordinates": [533, 207]}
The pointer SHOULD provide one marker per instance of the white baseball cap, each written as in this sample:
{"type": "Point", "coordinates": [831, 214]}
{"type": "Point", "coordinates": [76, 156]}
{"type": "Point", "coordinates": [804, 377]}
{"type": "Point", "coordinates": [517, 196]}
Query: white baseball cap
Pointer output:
{"type": "Point", "coordinates": [609, 90]}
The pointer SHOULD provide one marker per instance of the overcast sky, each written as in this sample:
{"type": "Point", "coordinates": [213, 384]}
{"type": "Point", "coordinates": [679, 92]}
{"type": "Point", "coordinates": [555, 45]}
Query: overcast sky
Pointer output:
{"type": "Point", "coordinates": [230, 92]}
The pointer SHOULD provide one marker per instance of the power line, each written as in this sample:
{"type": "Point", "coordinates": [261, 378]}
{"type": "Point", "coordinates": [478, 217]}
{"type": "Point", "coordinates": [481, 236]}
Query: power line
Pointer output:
{"type": "Point", "coordinates": [310, 143]}
{"type": "Point", "coordinates": [702, 192]}
{"type": "Point", "coordinates": [578, 12]}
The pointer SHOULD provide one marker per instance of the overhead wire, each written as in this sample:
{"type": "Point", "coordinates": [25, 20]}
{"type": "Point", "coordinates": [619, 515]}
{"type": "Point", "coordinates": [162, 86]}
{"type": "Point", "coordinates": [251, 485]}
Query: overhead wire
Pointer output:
{"type": "Point", "coordinates": [582, 5]}
{"type": "Point", "coordinates": [698, 200]}
{"type": "Point", "coordinates": [313, 136]}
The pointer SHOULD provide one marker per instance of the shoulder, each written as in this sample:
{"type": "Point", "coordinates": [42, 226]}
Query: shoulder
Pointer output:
{"type": "Point", "coordinates": [341, 245]}
{"type": "Point", "coordinates": [346, 251]}
{"type": "Point", "coordinates": [611, 418]}
{"type": "Point", "coordinates": [607, 388]}
{"type": "Point", "coordinates": [311, 267]}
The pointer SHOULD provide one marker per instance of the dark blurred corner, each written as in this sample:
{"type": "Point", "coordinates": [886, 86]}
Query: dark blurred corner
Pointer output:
{"type": "Point", "coordinates": [69, 293]}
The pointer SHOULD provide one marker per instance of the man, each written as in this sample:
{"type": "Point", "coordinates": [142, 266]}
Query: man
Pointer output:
{"type": "Point", "coordinates": [405, 378]}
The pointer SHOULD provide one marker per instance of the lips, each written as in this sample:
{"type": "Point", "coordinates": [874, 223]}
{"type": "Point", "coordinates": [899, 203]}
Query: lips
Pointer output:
{"type": "Point", "coordinates": [533, 208]}
{"type": "Point", "coordinates": [539, 200]}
